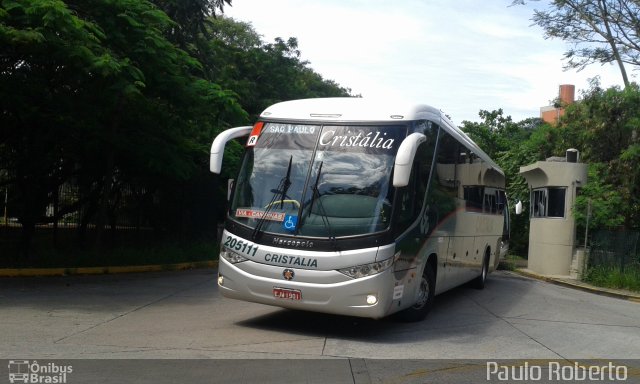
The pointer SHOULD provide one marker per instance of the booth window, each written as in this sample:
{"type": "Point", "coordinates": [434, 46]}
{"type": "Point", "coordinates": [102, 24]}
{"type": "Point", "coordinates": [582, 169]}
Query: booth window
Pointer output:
{"type": "Point", "coordinates": [548, 202]}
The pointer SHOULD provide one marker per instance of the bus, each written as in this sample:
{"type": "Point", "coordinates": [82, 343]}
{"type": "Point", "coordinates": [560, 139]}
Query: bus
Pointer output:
{"type": "Point", "coordinates": [353, 207]}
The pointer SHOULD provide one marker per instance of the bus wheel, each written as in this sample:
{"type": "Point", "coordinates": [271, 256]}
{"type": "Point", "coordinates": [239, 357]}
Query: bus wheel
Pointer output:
{"type": "Point", "coordinates": [425, 298]}
{"type": "Point", "coordinates": [480, 281]}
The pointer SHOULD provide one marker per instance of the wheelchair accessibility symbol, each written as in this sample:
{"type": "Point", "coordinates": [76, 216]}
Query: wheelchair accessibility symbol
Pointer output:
{"type": "Point", "coordinates": [290, 222]}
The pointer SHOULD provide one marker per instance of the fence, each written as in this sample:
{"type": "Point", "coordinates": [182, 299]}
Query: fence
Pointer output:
{"type": "Point", "coordinates": [614, 249]}
{"type": "Point", "coordinates": [128, 208]}
{"type": "Point", "coordinates": [185, 210]}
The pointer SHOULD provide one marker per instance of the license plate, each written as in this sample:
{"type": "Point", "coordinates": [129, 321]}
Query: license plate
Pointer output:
{"type": "Point", "coordinates": [287, 294]}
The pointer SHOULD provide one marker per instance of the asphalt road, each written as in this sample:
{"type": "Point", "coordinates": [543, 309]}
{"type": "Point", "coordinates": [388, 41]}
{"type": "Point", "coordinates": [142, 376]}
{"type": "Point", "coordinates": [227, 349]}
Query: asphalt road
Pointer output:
{"type": "Point", "coordinates": [181, 315]}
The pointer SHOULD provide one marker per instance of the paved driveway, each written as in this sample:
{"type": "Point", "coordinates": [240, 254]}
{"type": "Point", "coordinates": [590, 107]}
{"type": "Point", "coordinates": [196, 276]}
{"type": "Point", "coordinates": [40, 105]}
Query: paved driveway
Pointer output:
{"type": "Point", "coordinates": [178, 315]}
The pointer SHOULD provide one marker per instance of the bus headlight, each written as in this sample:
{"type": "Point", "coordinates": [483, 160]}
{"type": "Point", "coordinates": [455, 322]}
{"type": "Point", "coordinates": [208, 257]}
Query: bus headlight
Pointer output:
{"type": "Point", "coordinates": [364, 270]}
{"type": "Point", "coordinates": [231, 256]}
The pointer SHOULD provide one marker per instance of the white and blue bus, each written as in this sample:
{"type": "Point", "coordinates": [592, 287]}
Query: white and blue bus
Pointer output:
{"type": "Point", "coordinates": [350, 207]}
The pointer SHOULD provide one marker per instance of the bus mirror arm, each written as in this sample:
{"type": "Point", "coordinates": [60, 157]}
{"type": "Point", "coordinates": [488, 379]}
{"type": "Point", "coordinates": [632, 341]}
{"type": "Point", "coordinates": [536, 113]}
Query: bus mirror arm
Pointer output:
{"type": "Point", "coordinates": [230, 184]}
{"type": "Point", "coordinates": [518, 207]}
{"type": "Point", "coordinates": [217, 148]}
{"type": "Point", "coordinates": [404, 158]}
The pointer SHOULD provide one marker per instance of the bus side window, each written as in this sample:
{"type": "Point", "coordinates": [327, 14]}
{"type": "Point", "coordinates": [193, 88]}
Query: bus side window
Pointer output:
{"type": "Point", "coordinates": [446, 180]}
{"type": "Point", "coordinates": [473, 196]}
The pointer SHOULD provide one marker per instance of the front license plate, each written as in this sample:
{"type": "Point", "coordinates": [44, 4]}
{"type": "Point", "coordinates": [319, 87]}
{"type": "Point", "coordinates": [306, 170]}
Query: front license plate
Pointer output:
{"type": "Point", "coordinates": [287, 294]}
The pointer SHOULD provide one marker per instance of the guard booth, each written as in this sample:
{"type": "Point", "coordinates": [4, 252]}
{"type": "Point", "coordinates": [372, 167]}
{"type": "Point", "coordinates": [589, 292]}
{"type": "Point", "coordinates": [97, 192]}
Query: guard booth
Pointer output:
{"type": "Point", "coordinates": [554, 185]}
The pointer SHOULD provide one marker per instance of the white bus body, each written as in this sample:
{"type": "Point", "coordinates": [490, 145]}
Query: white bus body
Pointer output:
{"type": "Point", "coordinates": [351, 207]}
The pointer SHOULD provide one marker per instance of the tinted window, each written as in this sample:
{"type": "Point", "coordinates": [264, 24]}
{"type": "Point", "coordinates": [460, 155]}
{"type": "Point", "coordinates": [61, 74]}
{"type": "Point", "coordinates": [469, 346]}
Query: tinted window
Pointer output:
{"type": "Point", "coordinates": [548, 202]}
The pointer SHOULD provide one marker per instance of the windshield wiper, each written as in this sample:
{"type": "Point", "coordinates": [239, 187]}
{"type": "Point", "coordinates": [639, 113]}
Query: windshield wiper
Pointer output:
{"type": "Point", "coordinates": [315, 193]}
{"type": "Point", "coordinates": [283, 188]}
{"type": "Point", "coordinates": [287, 183]}
{"type": "Point", "coordinates": [314, 189]}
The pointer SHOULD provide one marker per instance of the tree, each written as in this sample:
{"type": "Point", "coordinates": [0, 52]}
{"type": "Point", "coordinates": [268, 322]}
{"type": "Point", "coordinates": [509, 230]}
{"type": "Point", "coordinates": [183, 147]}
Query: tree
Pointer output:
{"type": "Point", "coordinates": [603, 199]}
{"type": "Point", "coordinates": [498, 133]}
{"type": "Point", "coordinates": [190, 16]}
{"type": "Point", "coordinates": [46, 53]}
{"type": "Point", "coordinates": [94, 91]}
{"type": "Point", "coordinates": [192, 21]}
{"type": "Point", "coordinates": [602, 125]}
{"type": "Point", "coordinates": [117, 99]}
{"type": "Point", "coordinates": [600, 31]}
{"type": "Point", "coordinates": [262, 73]}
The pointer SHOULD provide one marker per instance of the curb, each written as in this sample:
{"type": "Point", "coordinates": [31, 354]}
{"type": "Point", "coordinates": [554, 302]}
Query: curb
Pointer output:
{"type": "Point", "coordinates": [41, 272]}
{"type": "Point", "coordinates": [629, 296]}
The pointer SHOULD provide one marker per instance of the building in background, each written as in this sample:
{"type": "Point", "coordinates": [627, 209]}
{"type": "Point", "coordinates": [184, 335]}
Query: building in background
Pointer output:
{"type": "Point", "coordinates": [566, 95]}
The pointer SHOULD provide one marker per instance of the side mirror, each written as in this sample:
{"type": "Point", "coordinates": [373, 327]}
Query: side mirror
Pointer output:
{"type": "Point", "coordinates": [217, 148]}
{"type": "Point", "coordinates": [518, 207]}
{"type": "Point", "coordinates": [404, 158]}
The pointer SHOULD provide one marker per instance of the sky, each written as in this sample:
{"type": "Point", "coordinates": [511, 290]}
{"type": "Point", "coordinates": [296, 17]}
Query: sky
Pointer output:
{"type": "Point", "coordinates": [459, 56]}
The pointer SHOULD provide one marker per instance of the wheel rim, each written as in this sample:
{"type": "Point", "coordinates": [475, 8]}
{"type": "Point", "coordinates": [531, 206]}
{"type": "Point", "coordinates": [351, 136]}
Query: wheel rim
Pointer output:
{"type": "Point", "coordinates": [423, 294]}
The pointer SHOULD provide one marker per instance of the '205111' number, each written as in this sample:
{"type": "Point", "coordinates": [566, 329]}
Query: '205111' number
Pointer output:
{"type": "Point", "coordinates": [241, 246]}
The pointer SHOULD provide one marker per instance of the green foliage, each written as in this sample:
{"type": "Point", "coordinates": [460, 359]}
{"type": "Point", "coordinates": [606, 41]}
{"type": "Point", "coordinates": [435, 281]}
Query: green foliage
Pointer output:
{"type": "Point", "coordinates": [191, 18]}
{"type": "Point", "coordinates": [604, 125]}
{"type": "Point", "coordinates": [108, 94]}
{"type": "Point", "coordinates": [604, 121]}
{"type": "Point", "coordinates": [615, 277]}
{"type": "Point", "coordinates": [497, 133]}
{"type": "Point", "coordinates": [607, 205]}
{"type": "Point", "coordinates": [512, 262]}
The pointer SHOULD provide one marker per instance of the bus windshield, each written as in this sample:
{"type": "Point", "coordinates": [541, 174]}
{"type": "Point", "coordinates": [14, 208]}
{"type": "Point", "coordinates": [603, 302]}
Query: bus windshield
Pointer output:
{"type": "Point", "coordinates": [318, 181]}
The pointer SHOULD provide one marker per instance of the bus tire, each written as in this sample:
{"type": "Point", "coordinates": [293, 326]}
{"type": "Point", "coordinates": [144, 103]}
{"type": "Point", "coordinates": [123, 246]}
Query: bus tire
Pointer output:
{"type": "Point", "coordinates": [421, 308]}
{"type": "Point", "coordinates": [480, 281]}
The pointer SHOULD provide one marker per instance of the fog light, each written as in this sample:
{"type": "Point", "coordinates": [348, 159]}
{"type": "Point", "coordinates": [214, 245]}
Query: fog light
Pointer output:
{"type": "Point", "coordinates": [220, 280]}
{"type": "Point", "coordinates": [372, 299]}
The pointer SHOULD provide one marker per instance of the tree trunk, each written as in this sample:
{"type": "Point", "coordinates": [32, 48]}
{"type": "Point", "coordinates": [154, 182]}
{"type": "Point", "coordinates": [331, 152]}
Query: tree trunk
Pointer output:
{"type": "Point", "coordinates": [612, 43]}
{"type": "Point", "coordinates": [56, 204]}
{"type": "Point", "coordinates": [103, 208]}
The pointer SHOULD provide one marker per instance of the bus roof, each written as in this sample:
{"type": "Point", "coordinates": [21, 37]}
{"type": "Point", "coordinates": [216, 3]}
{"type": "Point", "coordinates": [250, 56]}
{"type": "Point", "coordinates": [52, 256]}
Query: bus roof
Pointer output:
{"type": "Point", "coordinates": [346, 109]}
{"type": "Point", "coordinates": [357, 109]}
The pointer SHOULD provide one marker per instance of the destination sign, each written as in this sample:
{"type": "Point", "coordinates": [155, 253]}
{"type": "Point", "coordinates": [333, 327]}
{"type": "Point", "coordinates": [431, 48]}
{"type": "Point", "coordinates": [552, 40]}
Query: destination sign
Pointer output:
{"type": "Point", "coordinates": [259, 214]}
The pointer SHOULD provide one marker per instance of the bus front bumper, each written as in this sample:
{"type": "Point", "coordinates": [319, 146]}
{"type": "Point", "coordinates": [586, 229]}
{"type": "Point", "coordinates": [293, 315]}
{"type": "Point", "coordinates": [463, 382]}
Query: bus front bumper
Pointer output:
{"type": "Point", "coordinates": [352, 297]}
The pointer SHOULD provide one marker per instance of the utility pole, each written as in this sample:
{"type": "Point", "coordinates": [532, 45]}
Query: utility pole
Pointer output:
{"type": "Point", "coordinates": [586, 229]}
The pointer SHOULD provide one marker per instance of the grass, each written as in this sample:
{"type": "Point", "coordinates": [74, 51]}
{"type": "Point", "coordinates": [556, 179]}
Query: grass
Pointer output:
{"type": "Point", "coordinates": [512, 262]}
{"type": "Point", "coordinates": [615, 277]}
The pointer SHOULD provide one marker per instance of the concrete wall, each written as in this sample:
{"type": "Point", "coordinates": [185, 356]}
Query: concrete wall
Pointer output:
{"type": "Point", "coordinates": [551, 245]}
